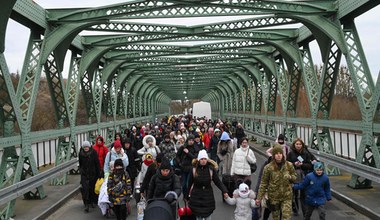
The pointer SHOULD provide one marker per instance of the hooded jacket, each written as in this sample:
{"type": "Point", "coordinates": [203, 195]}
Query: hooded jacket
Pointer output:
{"type": "Point", "coordinates": [160, 185]}
{"type": "Point", "coordinates": [317, 188]}
{"type": "Point", "coordinates": [154, 150]}
{"type": "Point", "coordinates": [112, 156]}
{"type": "Point", "coordinates": [102, 150]}
{"type": "Point", "coordinates": [225, 153]}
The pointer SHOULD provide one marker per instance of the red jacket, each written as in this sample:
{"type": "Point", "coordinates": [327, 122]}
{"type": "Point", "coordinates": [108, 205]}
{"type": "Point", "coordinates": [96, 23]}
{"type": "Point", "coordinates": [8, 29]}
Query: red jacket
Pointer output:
{"type": "Point", "coordinates": [101, 150]}
{"type": "Point", "coordinates": [206, 140]}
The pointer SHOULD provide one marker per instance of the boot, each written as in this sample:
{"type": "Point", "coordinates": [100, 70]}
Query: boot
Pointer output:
{"type": "Point", "coordinates": [87, 208]}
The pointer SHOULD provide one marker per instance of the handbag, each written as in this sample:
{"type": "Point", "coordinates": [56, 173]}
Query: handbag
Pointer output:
{"type": "Point", "coordinates": [252, 166]}
{"type": "Point", "coordinates": [98, 184]}
{"type": "Point", "coordinates": [185, 213]}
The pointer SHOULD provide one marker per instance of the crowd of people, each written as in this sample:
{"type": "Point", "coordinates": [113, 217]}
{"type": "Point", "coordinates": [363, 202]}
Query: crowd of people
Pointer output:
{"type": "Point", "coordinates": [186, 156]}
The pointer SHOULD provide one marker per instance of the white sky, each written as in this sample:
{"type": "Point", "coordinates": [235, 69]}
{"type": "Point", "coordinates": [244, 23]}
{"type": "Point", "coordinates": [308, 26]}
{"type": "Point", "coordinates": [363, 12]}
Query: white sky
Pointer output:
{"type": "Point", "coordinates": [368, 26]}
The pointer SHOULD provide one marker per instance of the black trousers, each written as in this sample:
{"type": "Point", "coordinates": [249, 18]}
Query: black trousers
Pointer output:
{"type": "Point", "coordinates": [120, 211]}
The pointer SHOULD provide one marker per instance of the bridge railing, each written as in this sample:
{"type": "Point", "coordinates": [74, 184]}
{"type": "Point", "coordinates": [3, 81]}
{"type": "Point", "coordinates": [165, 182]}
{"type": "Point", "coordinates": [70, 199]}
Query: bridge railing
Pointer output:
{"type": "Point", "coordinates": [44, 150]}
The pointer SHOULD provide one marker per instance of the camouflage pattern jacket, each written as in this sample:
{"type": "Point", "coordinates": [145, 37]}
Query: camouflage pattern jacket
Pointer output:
{"type": "Point", "coordinates": [277, 182]}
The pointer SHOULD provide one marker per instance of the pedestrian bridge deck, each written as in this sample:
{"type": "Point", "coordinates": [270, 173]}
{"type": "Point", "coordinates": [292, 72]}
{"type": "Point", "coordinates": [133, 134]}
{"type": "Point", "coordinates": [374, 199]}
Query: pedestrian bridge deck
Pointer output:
{"type": "Point", "coordinates": [364, 200]}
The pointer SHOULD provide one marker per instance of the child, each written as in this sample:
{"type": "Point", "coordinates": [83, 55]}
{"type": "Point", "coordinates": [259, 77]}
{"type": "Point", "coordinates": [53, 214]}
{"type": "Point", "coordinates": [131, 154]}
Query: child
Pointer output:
{"type": "Point", "coordinates": [244, 199]}
{"type": "Point", "coordinates": [119, 190]}
{"type": "Point", "coordinates": [147, 161]}
{"type": "Point", "coordinates": [317, 187]}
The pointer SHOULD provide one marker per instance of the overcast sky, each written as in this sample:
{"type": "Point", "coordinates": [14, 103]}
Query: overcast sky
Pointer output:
{"type": "Point", "coordinates": [368, 26]}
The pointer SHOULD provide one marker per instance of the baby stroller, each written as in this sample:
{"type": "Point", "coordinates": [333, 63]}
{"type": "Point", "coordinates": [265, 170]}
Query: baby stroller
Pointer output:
{"type": "Point", "coordinates": [162, 208]}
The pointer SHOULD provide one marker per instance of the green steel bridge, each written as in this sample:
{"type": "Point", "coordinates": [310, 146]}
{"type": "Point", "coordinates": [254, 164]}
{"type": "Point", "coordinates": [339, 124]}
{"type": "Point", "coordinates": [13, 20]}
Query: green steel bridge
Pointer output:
{"type": "Point", "coordinates": [133, 63]}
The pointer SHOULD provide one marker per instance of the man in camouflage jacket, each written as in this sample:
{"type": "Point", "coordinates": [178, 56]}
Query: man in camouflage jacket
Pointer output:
{"type": "Point", "coordinates": [276, 182]}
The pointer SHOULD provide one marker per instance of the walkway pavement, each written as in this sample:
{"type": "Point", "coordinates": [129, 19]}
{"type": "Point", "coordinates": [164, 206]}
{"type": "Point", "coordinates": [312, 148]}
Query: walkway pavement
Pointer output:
{"type": "Point", "coordinates": [366, 201]}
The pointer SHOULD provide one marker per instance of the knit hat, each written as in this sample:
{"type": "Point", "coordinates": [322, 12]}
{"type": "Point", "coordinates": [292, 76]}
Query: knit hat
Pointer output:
{"type": "Point", "coordinates": [277, 149]}
{"type": "Point", "coordinates": [117, 144]}
{"type": "Point", "coordinates": [202, 154]}
{"type": "Point", "coordinates": [318, 165]}
{"type": "Point", "coordinates": [243, 190]}
{"type": "Point", "coordinates": [196, 135]}
{"type": "Point", "coordinates": [216, 130]}
{"type": "Point", "coordinates": [281, 137]}
{"type": "Point", "coordinates": [118, 162]}
{"type": "Point", "coordinates": [225, 136]}
{"type": "Point", "coordinates": [86, 144]}
{"type": "Point", "coordinates": [165, 164]}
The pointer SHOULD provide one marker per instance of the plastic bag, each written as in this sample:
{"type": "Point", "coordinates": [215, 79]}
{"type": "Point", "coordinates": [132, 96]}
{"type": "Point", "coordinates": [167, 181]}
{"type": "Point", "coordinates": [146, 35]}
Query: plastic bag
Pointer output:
{"type": "Point", "coordinates": [140, 208]}
{"type": "Point", "coordinates": [98, 184]}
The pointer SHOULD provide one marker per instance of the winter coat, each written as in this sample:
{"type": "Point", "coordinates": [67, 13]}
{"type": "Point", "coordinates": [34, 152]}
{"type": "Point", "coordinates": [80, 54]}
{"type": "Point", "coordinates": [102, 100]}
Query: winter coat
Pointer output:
{"type": "Point", "coordinates": [112, 156]}
{"type": "Point", "coordinates": [243, 210]}
{"type": "Point", "coordinates": [317, 189]}
{"type": "Point", "coordinates": [239, 133]}
{"type": "Point", "coordinates": [134, 162]}
{"type": "Point", "coordinates": [144, 169]}
{"type": "Point", "coordinates": [225, 153]}
{"type": "Point", "coordinates": [184, 159]}
{"type": "Point", "coordinates": [89, 166]}
{"type": "Point", "coordinates": [168, 149]}
{"type": "Point", "coordinates": [206, 140]}
{"type": "Point", "coordinates": [159, 185]}
{"type": "Point", "coordinates": [152, 169]}
{"type": "Point", "coordinates": [154, 150]}
{"type": "Point", "coordinates": [102, 151]}
{"type": "Point", "coordinates": [200, 194]}
{"type": "Point", "coordinates": [306, 166]}
{"type": "Point", "coordinates": [213, 149]}
{"type": "Point", "coordinates": [276, 183]}
{"type": "Point", "coordinates": [241, 160]}
{"type": "Point", "coordinates": [119, 188]}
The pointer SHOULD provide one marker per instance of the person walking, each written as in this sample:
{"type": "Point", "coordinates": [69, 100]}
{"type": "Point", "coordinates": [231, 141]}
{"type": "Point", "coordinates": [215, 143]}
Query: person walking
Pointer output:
{"type": "Point", "coordinates": [101, 149]}
{"type": "Point", "coordinates": [134, 161]}
{"type": "Point", "coordinates": [164, 181]}
{"type": "Point", "coordinates": [150, 146]}
{"type": "Point", "coordinates": [213, 149]}
{"type": "Point", "coordinates": [184, 158]}
{"type": "Point", "coordinates": [276, 181]}
{"type": "Point", "coordinates": [119, 188]}
{"type": "Point", "coordinates": [244, 199]}
{"type": "Point", "coordinates": [116, 152]}
{"type": "Point", "coordinates": [200, 195]}
{"type": "Point", "coordinates": [241, 160]}
{"type": "Point", "coordinates": [302, 160]}
{"type": "Point", "coordinates": [225, 154]}
{"type": "Point", "coordinates": [239, 133]}
{"type": "Point", "coordinates": [317, 188]}
{"type": "Point", "coordinates": [89, 168]}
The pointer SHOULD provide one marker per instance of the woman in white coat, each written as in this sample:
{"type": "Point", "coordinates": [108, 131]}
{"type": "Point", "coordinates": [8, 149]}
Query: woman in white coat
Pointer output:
{"type": "Point", "coordinates": [149, 143]}
{"type": "Point", "coordinates": [241, 160]}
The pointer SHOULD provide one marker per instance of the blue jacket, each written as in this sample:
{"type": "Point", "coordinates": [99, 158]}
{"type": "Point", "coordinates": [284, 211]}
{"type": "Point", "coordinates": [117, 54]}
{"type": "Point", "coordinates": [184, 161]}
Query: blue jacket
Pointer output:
{"type": "Point", "coordinates": [317, 189]}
